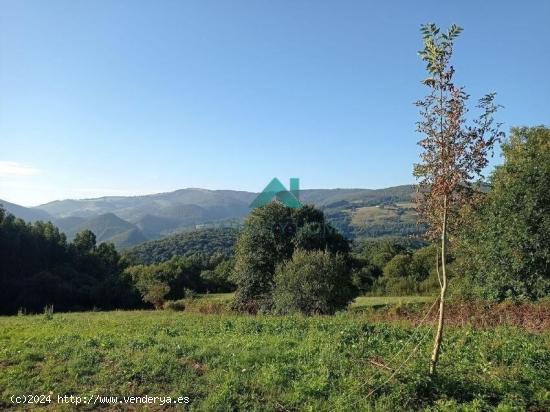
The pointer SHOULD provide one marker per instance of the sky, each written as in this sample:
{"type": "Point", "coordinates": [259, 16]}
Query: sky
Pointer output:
{"type": "Point", "coordinates": [115, 97]}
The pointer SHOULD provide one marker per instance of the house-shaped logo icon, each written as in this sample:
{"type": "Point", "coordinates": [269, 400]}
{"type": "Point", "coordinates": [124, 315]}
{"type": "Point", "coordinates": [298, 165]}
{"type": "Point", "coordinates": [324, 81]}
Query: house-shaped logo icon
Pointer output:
{"type": "Point", "coordinates": [275, 189]}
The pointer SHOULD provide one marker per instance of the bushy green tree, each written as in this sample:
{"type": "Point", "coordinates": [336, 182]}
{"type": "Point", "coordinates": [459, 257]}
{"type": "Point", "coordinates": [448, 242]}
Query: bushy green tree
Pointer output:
{"type": "Point", "coordinates": [364, 276]}
{"type": "Point", "coordinates": [380, 252]}
{"type": "Point", "coordinates": [399, 266]}
{"type": "Point", "coordinates": [270, 235]}
{"type": "Point", "coordinates": [313, 282]}
{"type": "Point", "coordinates": [85, 241]}
{"type": "Point", "coordinates": [423, 262]}
{"type": "Point", "coordinates": [371, 259]}
{"type": "Point", "coordinates": [219, 279]}
{"type": "Point", "coordinates": [152, 282]}
{"type": "Point", "coordinates": [398, 279]}
{"type": "Point", "coordinates": [506, 247]}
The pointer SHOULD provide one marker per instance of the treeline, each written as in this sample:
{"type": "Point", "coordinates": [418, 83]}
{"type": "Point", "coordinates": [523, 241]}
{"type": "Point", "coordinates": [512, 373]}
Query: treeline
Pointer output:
{"type": "Point", "coordinates": [38, 267]}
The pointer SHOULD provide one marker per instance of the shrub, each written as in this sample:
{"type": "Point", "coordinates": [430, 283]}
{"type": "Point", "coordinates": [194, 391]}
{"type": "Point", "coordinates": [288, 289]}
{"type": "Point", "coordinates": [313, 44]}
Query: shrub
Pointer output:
{"type": "Point", "coordinates": [175, 305]}
{"type": "Point", "coordinates": [364, 277]}
{"type": "Point", "coordinates": [313, 282]}
{"type": "Point", "coordinates": [398, 267]}
{"type": "Point", "coordinates": [155, 293]}
{"type": "Point", "coordinates": [151, 283]}
{"type": "Point", "coordinates": [219, 278]}
{"type": "Point", "coordinates": [189, 293]}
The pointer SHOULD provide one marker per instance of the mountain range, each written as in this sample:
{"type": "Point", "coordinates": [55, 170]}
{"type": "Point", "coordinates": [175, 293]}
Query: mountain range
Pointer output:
{"type": "Point", "coordinates": [131, 220]}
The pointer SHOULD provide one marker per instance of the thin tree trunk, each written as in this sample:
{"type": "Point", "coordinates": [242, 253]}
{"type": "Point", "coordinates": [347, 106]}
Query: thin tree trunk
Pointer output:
{"type": "Point", "coordinates": [439, 334]}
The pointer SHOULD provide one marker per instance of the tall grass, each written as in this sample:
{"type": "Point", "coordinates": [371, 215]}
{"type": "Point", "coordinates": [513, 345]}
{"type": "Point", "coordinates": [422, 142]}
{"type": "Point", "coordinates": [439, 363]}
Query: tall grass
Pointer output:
{"type": "Point", "coordinates": [267, 363]}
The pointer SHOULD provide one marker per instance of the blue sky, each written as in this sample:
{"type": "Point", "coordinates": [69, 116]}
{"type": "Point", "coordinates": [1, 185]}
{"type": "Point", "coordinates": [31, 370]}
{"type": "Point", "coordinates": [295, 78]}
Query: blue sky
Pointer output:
{"type": "Point", "coordinates": [111, 97]}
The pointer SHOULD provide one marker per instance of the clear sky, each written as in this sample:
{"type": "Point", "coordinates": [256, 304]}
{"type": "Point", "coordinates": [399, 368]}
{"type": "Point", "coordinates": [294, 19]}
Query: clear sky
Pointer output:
{"type": "Point", "coordinates": [110, 97]}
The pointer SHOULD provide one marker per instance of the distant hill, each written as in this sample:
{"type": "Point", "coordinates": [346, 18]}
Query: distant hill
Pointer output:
{"type": "Point", "coordinates": [107, 227]}
{"type": "Point", "coordinates": [209, 241]}
{"type": "Point", "coordinates": [130, 220]}
{"type": "Point", "coordinates": [25, 213]}
{"type": "Point", "coordinates": [364, 213]}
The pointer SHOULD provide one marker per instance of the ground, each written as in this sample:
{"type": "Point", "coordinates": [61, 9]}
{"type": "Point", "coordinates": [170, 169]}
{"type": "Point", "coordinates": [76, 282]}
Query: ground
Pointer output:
{"type": "Point", "coordinates": [263, 363]}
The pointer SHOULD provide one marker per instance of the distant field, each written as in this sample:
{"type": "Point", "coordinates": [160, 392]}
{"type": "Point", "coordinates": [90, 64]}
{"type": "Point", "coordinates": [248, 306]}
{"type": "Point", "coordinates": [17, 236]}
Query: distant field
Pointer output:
{"type": "Point", "coordinates": [377, 215]}
{"type": "Point", "coordinates": [372, 214]}
{"type": "Point", "coordinates": [406, 205]}
{"type": "Point", "coordinates": [266, 363]}
{"type": "Point", "coordinates": [361, 301]}
{"type": "Point", "coordinates": [217, 296]}
{"type": "Point", "coordinates": [366, 301]}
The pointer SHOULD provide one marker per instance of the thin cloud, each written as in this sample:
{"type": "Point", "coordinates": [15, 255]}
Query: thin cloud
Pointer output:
{"type": "Point", "coordinates": [9, 168]}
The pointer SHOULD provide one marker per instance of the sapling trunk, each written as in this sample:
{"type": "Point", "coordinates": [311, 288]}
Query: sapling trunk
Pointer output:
{"type": "Point", "coordinates": [441, 320]}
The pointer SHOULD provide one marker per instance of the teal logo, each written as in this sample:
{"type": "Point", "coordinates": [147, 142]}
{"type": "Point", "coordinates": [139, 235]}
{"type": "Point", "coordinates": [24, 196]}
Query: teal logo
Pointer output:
{"type": "Point", "coordinates": [276, 190]}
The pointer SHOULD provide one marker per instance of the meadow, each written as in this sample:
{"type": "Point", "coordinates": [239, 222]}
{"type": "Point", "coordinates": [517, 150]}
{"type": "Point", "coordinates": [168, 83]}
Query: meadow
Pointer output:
{"type": "Point", "coordinates": [225, 362]}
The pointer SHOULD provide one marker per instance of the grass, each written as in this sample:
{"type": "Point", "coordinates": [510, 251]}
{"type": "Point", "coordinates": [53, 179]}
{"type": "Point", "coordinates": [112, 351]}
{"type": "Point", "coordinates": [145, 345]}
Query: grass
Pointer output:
{"type": "Point", "coordinates": [378, 301]}
{"type": "Point", "coordinates": [224, 297]}
{"type": "Point", "coordinates": [361, 301]}
{"type": "Point", "coordinates": [265, 363]}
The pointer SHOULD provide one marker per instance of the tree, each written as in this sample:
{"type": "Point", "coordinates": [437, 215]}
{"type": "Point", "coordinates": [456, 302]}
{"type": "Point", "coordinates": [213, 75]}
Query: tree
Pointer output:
{"type": "Point", "coordinates": [506, 247]}
{"type": "Point", "coordinates": [270, 235]}
{"type": "Point", "coordinates": [399, 266]}
{"type": "Point", "coordinates": [380, 252]}
{"type": "Point", "coordinates": [422, 262]}
{"type": "Point", "coordinates": [85, 241]}
{"type": "Point", "coordinates": [313, 282]}
{"type": "Point", "coordinates": [219, 278]}
{"type": "Point", "coordinates": [152, 282]}
{"type": "Point", "coordinates": [453, 153]}
{"type": "Point", "coordinates": [364, 275]}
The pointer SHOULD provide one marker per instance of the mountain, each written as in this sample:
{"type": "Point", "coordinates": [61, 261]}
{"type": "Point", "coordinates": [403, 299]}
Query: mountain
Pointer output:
{"type": "Point", "coordinates": [184, 204]}
{"type": "Point", "coordinates": [25, 213]}
{"type": "Point", "coordinates": [127, 221]}
{"type": "Point", "coordinates": [107, 227]}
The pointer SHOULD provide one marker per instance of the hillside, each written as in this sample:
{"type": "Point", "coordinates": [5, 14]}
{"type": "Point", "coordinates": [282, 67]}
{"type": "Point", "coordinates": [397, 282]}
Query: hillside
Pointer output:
{"type": "Point", "coordinates": [107, 227]}
{"type": "Point", "coordinates": [363, 213]}
{"type": "Point", "coordinates": [25, 213]}
{"type": "Point", "coordinates": [131, 220]}
{"type": "Point", "coordinates": [208, 241]}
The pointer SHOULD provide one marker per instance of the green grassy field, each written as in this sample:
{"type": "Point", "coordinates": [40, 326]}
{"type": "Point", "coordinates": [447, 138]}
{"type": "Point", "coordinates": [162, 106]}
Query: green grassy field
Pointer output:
{"type": "Point", "coordinates": [265, 363]}
{"type": "Point", "coordinates": [374, 301]}
{"type": "Point", "coordinates": [361, 301]}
